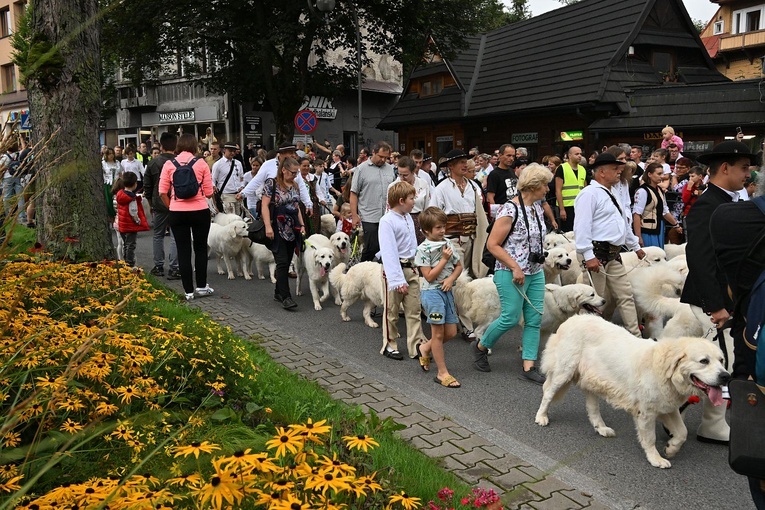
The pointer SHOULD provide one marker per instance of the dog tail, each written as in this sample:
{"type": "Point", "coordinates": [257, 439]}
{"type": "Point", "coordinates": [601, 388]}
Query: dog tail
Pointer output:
{"type": "Point", "coordinates": [337, 277]}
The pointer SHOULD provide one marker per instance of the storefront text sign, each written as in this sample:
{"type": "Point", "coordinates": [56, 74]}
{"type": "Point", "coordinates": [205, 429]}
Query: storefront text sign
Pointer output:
{"type": "Point", "coordinates": [440, 139]}
{"type": "Point", "coordinates": [519, 138]}
{"type": "Point", "coordinates": [698, 146]}
{"type": "Point", "coordinates": [253, 129]}
{"type": "Point", "coordinates": [570, 136]}
{"type": "Point", "coordinates": [657, 135]}
{"type": "Point", "coordinates": [182, 116]}
{"type": "Point", "coordinates": [321, 106]}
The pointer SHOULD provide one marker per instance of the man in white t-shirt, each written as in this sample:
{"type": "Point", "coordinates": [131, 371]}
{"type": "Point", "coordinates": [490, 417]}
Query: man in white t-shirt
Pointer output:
{"type": "Point", "coordinates": [230, 193]}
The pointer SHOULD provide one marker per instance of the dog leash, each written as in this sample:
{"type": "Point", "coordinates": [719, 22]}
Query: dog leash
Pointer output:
{"type": "Point", "coordinates": [639, 264]}
{"type": "Point", "coordinates": [526, 298]}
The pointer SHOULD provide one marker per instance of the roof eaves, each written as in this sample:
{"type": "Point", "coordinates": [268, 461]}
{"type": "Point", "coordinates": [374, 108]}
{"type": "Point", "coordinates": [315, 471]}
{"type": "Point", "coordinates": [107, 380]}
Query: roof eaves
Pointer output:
{"type": "Point", "coordinates": [476, 72]}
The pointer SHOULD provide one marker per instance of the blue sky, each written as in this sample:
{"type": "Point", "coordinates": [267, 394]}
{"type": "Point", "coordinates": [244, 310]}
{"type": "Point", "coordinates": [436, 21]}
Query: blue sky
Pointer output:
{"type": "Point", "coordinates": [698, 9]}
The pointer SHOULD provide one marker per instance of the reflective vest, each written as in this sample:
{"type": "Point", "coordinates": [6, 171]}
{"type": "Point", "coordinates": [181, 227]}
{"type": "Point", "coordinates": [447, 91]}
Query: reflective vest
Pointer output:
{"type": "Point", "coordinates": [572, 183]}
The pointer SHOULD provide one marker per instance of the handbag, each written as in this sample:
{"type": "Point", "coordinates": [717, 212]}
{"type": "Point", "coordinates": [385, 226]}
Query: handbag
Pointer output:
{"type": "Point", "coordinates": [747, 428]}
{"type": "Point", "coordinates": [256, 230]}
{"type": "Point", "coordinates": [219, 194]}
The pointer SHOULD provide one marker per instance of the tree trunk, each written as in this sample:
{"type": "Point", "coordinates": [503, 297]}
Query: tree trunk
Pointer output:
{"type": "Point", "coordinates": [65, 95]}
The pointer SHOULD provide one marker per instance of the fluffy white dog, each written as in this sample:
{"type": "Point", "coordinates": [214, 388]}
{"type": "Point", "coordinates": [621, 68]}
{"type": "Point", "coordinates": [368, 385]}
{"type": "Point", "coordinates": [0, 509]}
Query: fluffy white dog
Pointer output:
{"type": "Point", "coordinates": [263, 258]}
{"type": "Point", "coordinates": [649, 380]}
{"type": "Point", "coordinates": [656, 291]}
{"type": "Point", "coordinates": [674, 250]}
{"type": "Point", "coordinates": [363, 281]}
{"type": "Point", "coordinates": [653, 255]}
{"type": "Point", "coordinates": [230, 243]}
{"type": "Point", "coordinates": [315, 263]}
{"type": "Point", "coordinates": [328, 224]}
{"type": "Point", "coordinates": [557, 260]}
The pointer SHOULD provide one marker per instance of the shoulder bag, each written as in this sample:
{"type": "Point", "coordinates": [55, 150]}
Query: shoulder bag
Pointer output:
{"type": "Point", "coordinates": [219, 194]}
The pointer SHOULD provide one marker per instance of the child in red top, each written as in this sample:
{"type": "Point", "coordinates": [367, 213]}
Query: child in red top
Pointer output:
{"type": "Point", "coordinates": [691, 191]}
{"type": "Point", "coordinates": [345, 223]}
{"type": "Point", "coordinates": [130, 216]}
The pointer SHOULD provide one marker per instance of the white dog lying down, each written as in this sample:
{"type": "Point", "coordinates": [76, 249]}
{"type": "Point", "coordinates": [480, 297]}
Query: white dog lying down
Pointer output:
{"type": "Point", "coordinates": [315, 262]}
{"type": "Point", "coordinates": [363, 281]}
{"type": "Point", "coordinates": [653, 255]}
{"type": "Point", "coordinates": [230, 243]}
{"type": "Point", "coordinates": [649, 380]}
{"type": "Point", "coordinates": [478, 301]}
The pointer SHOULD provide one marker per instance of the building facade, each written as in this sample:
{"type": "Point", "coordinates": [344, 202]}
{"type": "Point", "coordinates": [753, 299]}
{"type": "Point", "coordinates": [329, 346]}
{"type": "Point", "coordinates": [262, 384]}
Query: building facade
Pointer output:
{"type": "Point", "coordinates": [591, 74]}
{"type": "Point", "coordinates": [14, 107]}
{"type": "Point", "coordinates": [735, 38]}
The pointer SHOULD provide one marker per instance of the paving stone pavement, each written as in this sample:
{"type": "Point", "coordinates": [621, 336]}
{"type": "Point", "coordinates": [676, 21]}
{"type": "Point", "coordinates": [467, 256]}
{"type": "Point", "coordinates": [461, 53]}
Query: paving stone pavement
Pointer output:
{"type": "Point", "coordinates": [471, 454]}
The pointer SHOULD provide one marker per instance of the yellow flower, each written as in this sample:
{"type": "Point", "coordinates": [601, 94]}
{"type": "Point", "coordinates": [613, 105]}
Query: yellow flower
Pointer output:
{"type": "Point", "coordinates": [195, 448]}
{"type": "Point", "coordinates": [12, 484]}
{"type": "Point", "coordinates": [11, 439]}
{"type": "Point", "coordinates": [71, 426]}
{"type": "Point", "coordinates": [285, 440]}
{"type": "Point", "coordinates": [268, 410]}
{"type": "Point", "coordinates": [193, 480]}
{"type": "Point", "coordinates": [335, 466]}
{"type": "Point", "coordinates": [360, 442]}
{"type": "Point", "coordinates": [406, 501]}
{"type": "Point", "coordinates": [366, 483]}
{"type": "Point", "coordinates": [8, 471]}
{"type": "Point", "coordinates": [123, 432]}
{"type": "Point", "coordinates": [222, 486]}
{"type": "Point", "coordinates": [106, 409]}
{"type": "Point", "coordinates": [127, 393]}
{"type": "Point", "coordinates": [311, 429]}
{"type": "Point", "coordinates": [289, 502]}
{"type": "Point", "coordinates": [324, 481]}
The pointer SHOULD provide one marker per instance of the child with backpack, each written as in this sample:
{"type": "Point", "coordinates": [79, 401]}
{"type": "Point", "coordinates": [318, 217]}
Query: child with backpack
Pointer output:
{"type": "Point", "coordinates": [184, 186]}
{"type": "Point", "coordinates": [130, 217]}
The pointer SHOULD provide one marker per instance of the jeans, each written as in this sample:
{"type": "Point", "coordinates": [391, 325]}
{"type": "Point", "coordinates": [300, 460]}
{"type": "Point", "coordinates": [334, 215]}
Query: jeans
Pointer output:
{"type": "Point", "coordinates": [283, 253]}
{"type": "Point", "coordinates": [12, 195]}
{"type": "Point", "coordinates": [513, 303]}
{"type": "Point", "coordinates": [183, 225]}
{"type": "Point", "coordinates": [160, 224]}
{"type": "Point", "coordinates": [371, 242]}
{"type": "Point", "coordinates": [128, 247]}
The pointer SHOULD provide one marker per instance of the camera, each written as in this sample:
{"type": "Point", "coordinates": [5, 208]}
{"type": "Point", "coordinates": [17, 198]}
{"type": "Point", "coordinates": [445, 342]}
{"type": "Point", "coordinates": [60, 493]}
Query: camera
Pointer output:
{"type": "Point", "coordinates": [537, 258]}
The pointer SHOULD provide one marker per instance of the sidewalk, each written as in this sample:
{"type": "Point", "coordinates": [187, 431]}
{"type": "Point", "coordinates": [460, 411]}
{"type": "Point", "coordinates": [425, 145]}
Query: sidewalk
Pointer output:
{"type": "Point", "coordinates": [473, 451]}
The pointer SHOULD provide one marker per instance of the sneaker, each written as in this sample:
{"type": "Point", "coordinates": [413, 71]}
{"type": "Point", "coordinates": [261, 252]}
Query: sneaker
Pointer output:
{"type": "Point", "coordinates": [190, 296]}
{"type": "Point", "coordinates": [173, 274]}
{"type": "Point", "coordinates": [480, 357]}
{"type": "Point", "coordinates": [206, 291]}
{"type": "Point", "coordinates": [157, 271]}
{"type": "Point", "coordinates": [532, 375]}
{"type": "Point", "coordinates": [288, 304]}
{"type": "Point", "coordinates": [278, 298]}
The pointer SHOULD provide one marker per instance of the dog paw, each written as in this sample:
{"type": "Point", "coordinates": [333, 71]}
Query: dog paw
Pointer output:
{"type": "Point", "coordinates": [261, 277]}
{"type": "Point", "coordinates": [660, 463]}
{"type": "Point", "coordinates": [605, 431]}
{"type": "Point", "coordinates": [231, 276]}
{"type": "Point", "coordinates": [346, 319]}
{"type": "Point", "coordinates": [247, 277]}
{"type": "Point", "coordinates": [338, 302]}
{"type": "Point", "coordinates": [373, 325]}
{"type": "Point", "coordinates": [221, 271]}
{"type": "Point", "coordinates": [298, 292]}
{"type": "Point", "coordinates": [316, 306]}
{"type": "Point", "coordinates": [671, 450]}
{"type": "Point", "coordinates": [542, 420]}
{"type": "Point", "coordinates": [273, 280]}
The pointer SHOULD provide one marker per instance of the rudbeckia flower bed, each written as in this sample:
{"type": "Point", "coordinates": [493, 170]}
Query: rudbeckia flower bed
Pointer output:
{"type": "Point", "coordinates": [116, 395]}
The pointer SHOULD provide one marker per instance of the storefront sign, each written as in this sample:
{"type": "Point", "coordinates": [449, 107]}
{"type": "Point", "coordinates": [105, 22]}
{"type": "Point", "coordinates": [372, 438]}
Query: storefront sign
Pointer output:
{"type": "Point", "coordinates": [440, 139]}
{"type": "Point", "coordinates": [182, 116]}
{"type": "Point", "coordinates": [321, 106]}
{"type": "Point", "coordinates": [570, 136]}
{"type": "Point", "coordinates": [657, 135]}
{"type": "Point", "coordinates": [698, 146]}
{"type": "Point", "coordinates": [253, 129]}
{"type": "Point", "coordinates": [519, 138]}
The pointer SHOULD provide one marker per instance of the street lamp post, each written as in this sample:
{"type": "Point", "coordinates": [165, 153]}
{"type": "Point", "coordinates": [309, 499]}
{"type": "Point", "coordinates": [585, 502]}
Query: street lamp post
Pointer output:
{"type": "Point", "coordinates": [326, 6]}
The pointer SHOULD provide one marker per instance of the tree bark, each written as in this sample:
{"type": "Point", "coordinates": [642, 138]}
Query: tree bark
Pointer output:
{"type": "Point", "coordinates": [71, 205]}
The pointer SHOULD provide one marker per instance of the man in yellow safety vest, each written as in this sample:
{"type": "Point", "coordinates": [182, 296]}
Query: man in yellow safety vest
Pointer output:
{"type": "Point", "coordinates": [569, 181]}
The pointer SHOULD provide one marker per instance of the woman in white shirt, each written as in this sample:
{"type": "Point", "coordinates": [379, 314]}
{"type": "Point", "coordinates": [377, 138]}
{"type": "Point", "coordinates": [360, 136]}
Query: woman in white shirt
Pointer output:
{"type": "Point", "coordinates": [111, 168]}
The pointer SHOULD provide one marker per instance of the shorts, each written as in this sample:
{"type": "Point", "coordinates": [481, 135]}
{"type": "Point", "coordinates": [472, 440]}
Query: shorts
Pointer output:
{"type": "Point", "coordinates": [439, 306]}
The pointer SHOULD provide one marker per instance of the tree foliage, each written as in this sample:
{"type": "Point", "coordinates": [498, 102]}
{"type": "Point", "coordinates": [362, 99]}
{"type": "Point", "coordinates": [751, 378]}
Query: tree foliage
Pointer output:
{"type": "Point", "coordinates": [276, 52]}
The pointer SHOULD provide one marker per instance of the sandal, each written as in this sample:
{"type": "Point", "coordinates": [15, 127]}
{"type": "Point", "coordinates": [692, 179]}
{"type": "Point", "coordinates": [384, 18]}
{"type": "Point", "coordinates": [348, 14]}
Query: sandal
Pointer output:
{"type": "Point", "coordinates": [424, 360]}
{"type": "Point", "coordinates": [448, 382]}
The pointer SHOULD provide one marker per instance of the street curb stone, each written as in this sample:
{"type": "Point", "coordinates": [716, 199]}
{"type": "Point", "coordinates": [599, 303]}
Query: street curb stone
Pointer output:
{"type": "Point", "coordinates": [469, 449]}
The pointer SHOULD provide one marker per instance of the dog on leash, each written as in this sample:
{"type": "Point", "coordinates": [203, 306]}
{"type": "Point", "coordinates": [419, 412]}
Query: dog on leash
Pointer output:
{"type": "Point", "coordinates": [648, 379]}
{"type": "Point", "coordinates": [229, 243]}
{"type": "Point", "coordinates": [362, 282]}
{"type": "Point", "coordinates": [315, 263]}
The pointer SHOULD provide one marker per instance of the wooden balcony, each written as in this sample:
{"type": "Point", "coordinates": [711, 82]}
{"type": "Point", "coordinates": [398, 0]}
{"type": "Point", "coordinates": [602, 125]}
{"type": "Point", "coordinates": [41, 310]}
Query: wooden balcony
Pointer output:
{"type": "Point", "coordinates": [742, 41]}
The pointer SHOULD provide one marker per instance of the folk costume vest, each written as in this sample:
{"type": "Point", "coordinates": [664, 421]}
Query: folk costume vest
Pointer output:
{"type": "Point", "coordinates": [650, 220]}
{"type": "Point", "coordinates": [573, 183]}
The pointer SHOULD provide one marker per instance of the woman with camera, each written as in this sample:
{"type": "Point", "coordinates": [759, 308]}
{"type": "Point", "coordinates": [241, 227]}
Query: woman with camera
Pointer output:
{"type": "Point", "coordinates": [517, 242]}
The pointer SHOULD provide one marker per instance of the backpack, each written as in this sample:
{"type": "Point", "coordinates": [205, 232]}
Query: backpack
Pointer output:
{"type": "Point", "coordinates": [14, 165]}
{"type": "Point", "coordinates": [486, 257]}
{"type": "Point", "coordinates": [185, 181]}
{"type": "Point", "coordinates": [755, 313]}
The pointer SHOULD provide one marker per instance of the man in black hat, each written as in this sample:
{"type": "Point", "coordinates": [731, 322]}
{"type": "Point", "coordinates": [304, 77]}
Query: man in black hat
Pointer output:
{"type": "Point", "coordinates": [228, 179]}
{"type": "Point", "coordinates": [254, 189]}
{"type": "Point", "coordinates": [461, 199]}
{"type": "Point", "coordinates": [706, 287]}
{"type": "Point", "coordinates": [602, 227]}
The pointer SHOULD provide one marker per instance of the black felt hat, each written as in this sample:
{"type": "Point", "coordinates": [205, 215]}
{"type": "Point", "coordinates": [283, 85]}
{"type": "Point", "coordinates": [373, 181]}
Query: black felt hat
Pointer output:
{"type": "Point", "coordinates": [726, 150]}
{"type": "Point", "coordinates": [606, 159]}
{"type": "Point", "coordinates": [453, 155]}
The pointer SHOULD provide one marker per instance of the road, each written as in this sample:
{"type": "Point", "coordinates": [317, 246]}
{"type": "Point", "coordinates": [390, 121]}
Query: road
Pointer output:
{"type": "Point", "coordinates": [614, 468]}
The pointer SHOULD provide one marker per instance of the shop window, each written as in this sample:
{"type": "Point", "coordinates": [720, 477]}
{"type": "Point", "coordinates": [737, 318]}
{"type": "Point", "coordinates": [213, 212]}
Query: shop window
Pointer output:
{"type": "Point", "coordinates": [5, 22]}
{"type": "Point", "coordinates": [8, 77]}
